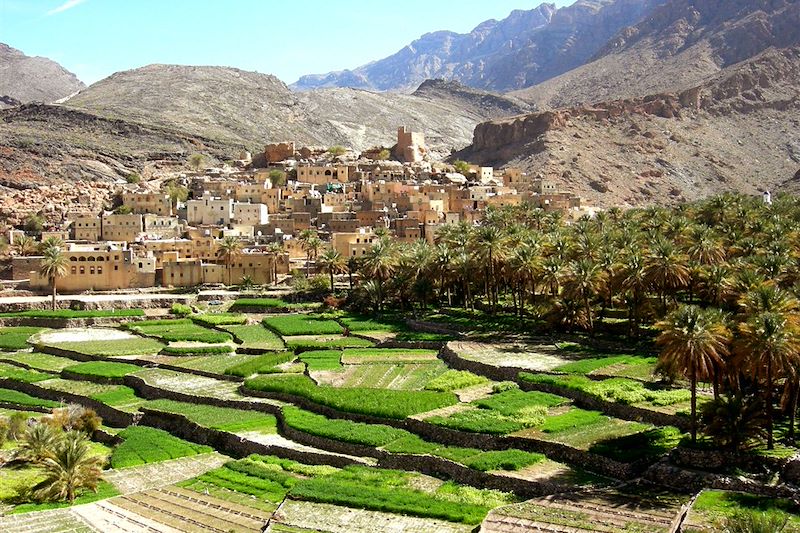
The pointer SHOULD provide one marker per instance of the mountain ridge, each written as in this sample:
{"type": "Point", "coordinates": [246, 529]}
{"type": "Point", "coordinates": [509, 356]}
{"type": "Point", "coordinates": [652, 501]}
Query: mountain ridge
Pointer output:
{"type": "Point", "coordinates": [25, 79]}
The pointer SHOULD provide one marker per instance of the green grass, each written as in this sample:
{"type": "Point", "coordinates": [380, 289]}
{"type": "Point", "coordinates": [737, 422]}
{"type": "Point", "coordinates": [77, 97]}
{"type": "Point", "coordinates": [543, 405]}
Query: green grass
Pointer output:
{"type": "Point", "coordinates": [358, 356]}
{"type": "Point", "coordinates": [113, 348]}
{"type": "Point", "coordinates": [220, 319]}
{"type": "Point", "coordinates": [39, 361]}
{"type": "Point", "coordinates": [221, 418]}
{"type": "Point", "coordinates": [512, 402]}
{"type": "Point", "coordinates": [317, 360]}
{"type": "Point", "coordinates": [20, 374]}
{"type": "Point", "coordinates": [104, 369]}
{"type": "Point", "coordinates": [586, 366]}
{"type": "Point", "coordinates": [216, 364]}
{"type": "Point", "coordinates": [406, 376]}
{"type": "Point", "coordinates": [69, 313]}
{"type": "Point", "coordinates": [718, 505]}
{"type": "Point", "coordinates": [119, 397]}
{"type": "Point", "coordinates": [104, 490]}
{"type": "Point", "coordinates": [454, 380]}
{"type": "Point", "coordinates": [327, 343]}
{"type": "Point", "coordinates": [144, 445]}
{"type": "Point", "coordinates": [479, 421]}
{"type": "Point", "coordinates": [197, 350]}
{"type": "Point", "coordinates": [228, 478]}
{"type": "Point", "coordinates": [649, 444]}
{"type": "Point", "coordinates": [504, 460]}
{"type": "Point", "coordinates": [422, 336]}
{"type": "Point", "coordinates": [572, 419]}
{"type": "Point", "coordinates": [20, 398]}
{"type": "Point", "coordinates": [359, 323]}
{"type": "Point", "coordinates": [16, 338]}
{"type": "Point", "coordinates": [178, 330]}
{"type": "Point", "coordinates": [621, 390]}
{"type": "Point", "coordinates": [374, 435]}
{"type": "Point", "coordinates": [255, 305]}
{"type": "Point", "coordinates": [302, 325]}
{"type": "Point", "coordinates": [262, 364]}
{"type": "Point", "coordinates": [376, 402]}
{"type": "Point", "coordinates": [255, 337]}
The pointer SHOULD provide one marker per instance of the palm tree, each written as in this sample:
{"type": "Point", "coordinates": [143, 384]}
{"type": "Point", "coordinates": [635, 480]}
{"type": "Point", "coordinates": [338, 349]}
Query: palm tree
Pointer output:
{"type": "Point", "coordinates": [274, 248]}
{"type": "Point", "coordinates": [490, 246]}
{"type": "Point", "coordinates": [50, 242]}
{"type": "Point", "coordinates": [68, 468]}
{"type": "Point", "coordinates": [24, 245]}
{"type": "Point", "coordinates": [229, 249]}
{"type": "Point", "coordinates": [734, 422]}
{"type": "Point", "coordinates": [665, 269]}
{"type": "Point", "coordinates": [695, 343]}
{"type": "Point", "coordinates": [769, 346]}
{"type": "Point", "coordinates": [332, 262]}
{"type": "Point", "coordinates": [584, 281]}
{"type": "Point", "coordinates": [310, 243]}
{"type": "Point", "coordinates": [38, 441]}
{"type": "Point", "coordinates": [54, 265]}
{"type": "Point", "coordinates": [378, 264]}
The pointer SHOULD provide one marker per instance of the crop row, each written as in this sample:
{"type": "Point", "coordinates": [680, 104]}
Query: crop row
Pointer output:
{"type": "Point", "coordinates": [143, 445]}
{"type": "Point", "coordinates": [178, 330]}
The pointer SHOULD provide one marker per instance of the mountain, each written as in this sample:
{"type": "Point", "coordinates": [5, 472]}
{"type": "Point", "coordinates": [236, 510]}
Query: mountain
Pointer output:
{"type": "Point", "coordinates": [736, 131]}
{"type": "Point", "coordinates": [521, 50]}
{"type": "Point", "coordinates": [248, 109]}
{"type": "Point", "coordinates": [25, 79]}
{"type": "Point", "coordinates": [678, 45]}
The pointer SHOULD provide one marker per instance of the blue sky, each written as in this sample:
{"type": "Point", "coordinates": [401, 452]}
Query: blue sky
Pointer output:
{"type": "Point", "coordinates": [94, 38]}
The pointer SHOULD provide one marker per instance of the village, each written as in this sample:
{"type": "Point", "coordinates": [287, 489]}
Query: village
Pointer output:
{"type": "Point", "coordinates": [280, 208]}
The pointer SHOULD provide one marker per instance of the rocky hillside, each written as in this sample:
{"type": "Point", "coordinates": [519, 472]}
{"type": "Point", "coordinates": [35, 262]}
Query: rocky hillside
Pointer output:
{"type": "Point", "coordinates": [26, 79]}
{"type": "Point", "coordinates": [521, 50]}
{"type": "Point", "coordinates": [248, 109]}
{"type": "Point", "coordinates": [680, 44]}
{"type": "Point", "coordinates": [736, 131]}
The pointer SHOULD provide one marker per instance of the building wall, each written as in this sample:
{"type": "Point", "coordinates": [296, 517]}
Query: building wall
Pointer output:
{"type": "Point", "coordinates": [144, 203]}
{"type": "Point", "coordinates": [99, 270]}
{"type": "Point", "coordinates": [122, 227]}
{"type": "Point", "coordinates": [353, 244]}
{"type": "Point", "coordinates": [323, 175]}
{"type": "Point", "coordinates": [86, 229]}
{"type": "Point", "coordinates": [250, 214]}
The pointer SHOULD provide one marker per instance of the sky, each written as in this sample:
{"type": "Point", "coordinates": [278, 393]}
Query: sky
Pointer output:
{"type": "Point", "coordinates": [95, 38]}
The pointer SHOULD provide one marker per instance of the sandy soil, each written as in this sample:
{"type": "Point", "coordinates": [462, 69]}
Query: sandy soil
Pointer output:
{"type": "Point", "coordinates": [85, 334]}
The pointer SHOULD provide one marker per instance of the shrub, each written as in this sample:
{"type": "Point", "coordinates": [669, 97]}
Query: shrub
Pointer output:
{"type": "Point", "coordinates": [143, 445]}
{"type": "Point", "coordinates": [196, 350]}
{"type": "Point", "coordinates": [105, 369]}
{"type": "Point", "coordinates": [181, 310]}
{"type": "Point", "coordinates": [220, 319]}
{"type": "Point", "coordinates": [263, 364]}
{"type": "Point", "coordinates": [455, 379]}
{"type": "Point", "coordinates": [317, 360]}
{"type": "Point", "coordinates": [16, 338]}
{"type": "Point", "coordinates": [376, 402]}
{"type": "Point", "coordinates": [17, 423]}
{"type": "Point", "coordinates": [302, 325]}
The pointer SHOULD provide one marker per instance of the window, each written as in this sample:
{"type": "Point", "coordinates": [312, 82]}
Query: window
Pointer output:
{"type": "Point", "coordinates": [99, 270]}
{"type": "Point", "coordinates": [116, 267]}
{"type": "Point", "coordinates": [72, 270]}
{"type": "Point", "coordinates": [83, 270]}
{"type": "Point", "coordinates": [91, 270]}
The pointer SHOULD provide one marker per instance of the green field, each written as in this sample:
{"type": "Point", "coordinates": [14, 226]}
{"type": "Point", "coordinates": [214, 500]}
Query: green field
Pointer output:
{"type": "Point", "coordinates": [255, 337]}
{"type": "Point", "coordinates": [288, 325]}
{"type": "Point", "coordinates": [39, 361]}
{"type": "Point", "coordinates": [144, 445]}
{"type": "Point", "coordinates": [16, 338]}
{"type": "Point", "coordinates": [113, 348]}
{"type": "Point", "coordinates": [221, 418]}
{"type": "Point", "coordinates": [103, 369]}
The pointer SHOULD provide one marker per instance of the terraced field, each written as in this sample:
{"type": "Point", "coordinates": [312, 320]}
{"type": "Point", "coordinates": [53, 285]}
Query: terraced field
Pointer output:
{"type": "Point", "coordinates": [332, 433]}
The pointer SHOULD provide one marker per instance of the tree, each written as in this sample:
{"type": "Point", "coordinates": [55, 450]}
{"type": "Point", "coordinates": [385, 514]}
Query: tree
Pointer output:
{"type": "Point", "coordinates": [665, 269]}
{"type": "Point", "coordinates": [196, 161]}
{"type": "Point", "coordinates": [734, 422]}
{"type": "Point", "coordinates": [383, 155]}
{"type": "Point", "coordinates": [768, 345]}
{"type": "Point", "coordinates": [462, 167]}
{"type": "Point", "coordinates": [491, 246]}
{"type": "Point", "coordinates": [277, 177]}
{"type": "Point", "coordinates": [133, 178]}
{"type": "Point", "coordinates": [177, 193]}
{"type": "Point", "coordinates": [229, 249]}
{"type": "Point", "coordinates": [584, 281]}
{"type": "Point", "coordinates": [332, 262]}
{"type": "Point", "coordinates": [337, 150]}
{"type": "Point", "coordinates": [378, 264]}
{"type": "Point", "coordinates": [38, 441]}
{"type": "Point", "coordinates": [694, 342]}
{"type": "Point", "coordinates": [310, 243]}
{"type": "Point", "coordinates": [68, 468]}
{"type": "Point", "coordinates": [24, 245]}
{"type": "Point", "coordinates": [274, 248]}
{"type": "Point", "coordinates": [34, 224]}
{"type": "Point", "coordinates": [54, 265]}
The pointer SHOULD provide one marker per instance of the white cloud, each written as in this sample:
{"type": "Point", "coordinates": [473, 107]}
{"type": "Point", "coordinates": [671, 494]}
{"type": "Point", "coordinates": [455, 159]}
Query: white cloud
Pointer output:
{"type": "Point", "coordinates": [69, 4]}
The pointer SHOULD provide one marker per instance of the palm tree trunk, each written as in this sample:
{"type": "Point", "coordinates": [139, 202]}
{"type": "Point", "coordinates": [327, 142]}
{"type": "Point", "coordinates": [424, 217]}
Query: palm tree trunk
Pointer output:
{"type": "Point", "coordinates": [694, 404]}
{"type": "Point", "coordinates": [770, 443]}
{"type": "Point", "coordinates": [54, 294]}
{"type": "Point", "coordinates": [792, 410]}
{"type": "Point", "coordinates": [331, 273]}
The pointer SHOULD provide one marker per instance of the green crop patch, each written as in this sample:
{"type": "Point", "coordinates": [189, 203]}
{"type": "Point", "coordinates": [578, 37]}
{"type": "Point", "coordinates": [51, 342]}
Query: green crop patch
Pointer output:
{"type": "Point", "coordinates": [20, 374]}
{"type": "Point", "coordinates": [342, 430]}
{"type": "Point", "coordinates": [20, 398]}
{"type": "Point", "coordinates": [220, 319]}
{"type": "Point", "coordinates": [262, 364]}
{"type": "Point", "coordinates": [221, 418]}
{"type": "Point", "coordinates": [39, 361]}
{"type": "Point", "coordinates": [178, 330]}
{"type": "Point", "coordinates": [144, 445]}
{"type": "Point", "coordinates": [361, 356]}
{"type": "Point", "coordinates": [265, 305]}
{"type": "Point", "coordinates": [480, 421]}
{"type": "Point", "coordinates": [119, 397]}
{"type": "Point", "coordinates": [69, 313]}
{"type": "Point", "coordinates": [587, 366]}
{"type": "Point", "coordinates": [112, 348]}
{"type": "Point", "coordinates": [302, 325]}
{"type": "Point", "coordinates": [299, 344]}
{"type": "Point", "coordinates": [572, 419]}
{"type": "Point", "coordinates": [255, 337]}
{"type": "Point", "coordinates": [504, 460]}
{"type": "Point", "coordinates": [376, 402]}
{"type": "Point", "coordinates": [512, 402]}
{"type": "Point", "coordinates": [197, 350]}
{"type": "Point", "coordinates": [103, 369]}
{"type": "Point", "coordinates": [317, 360]}
{"type": "Point", "coordinates": [650, 444]}
{"type": "Point", "coordinates": [16, 338]}
{"type": "Point", "coordinates": [454, 380]}
{"type": "Point", "coordinates": [361, 323]}
{"type": "Point", "coordinates": [620, 390]}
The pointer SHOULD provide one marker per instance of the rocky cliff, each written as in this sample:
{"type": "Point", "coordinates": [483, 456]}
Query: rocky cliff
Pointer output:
{"type": "Point", "coordinates": [525, 48]}
{"type": "Point", "coordinates": [735, 131]}
{"type": "Point", "coordinates": [26, 79]}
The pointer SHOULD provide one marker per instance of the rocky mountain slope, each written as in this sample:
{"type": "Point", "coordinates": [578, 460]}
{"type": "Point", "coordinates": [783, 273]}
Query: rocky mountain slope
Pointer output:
{"type": "Point", "coordinates": [248, 109]}
{"type": "Point", "coordinates": [680, 44]}
{"type": "Point", "coordinates": [521, 50]}
{"type": "Point", "coordinates": [25, 79]}
{"type": "Point", "coordinates": [736, 131]}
